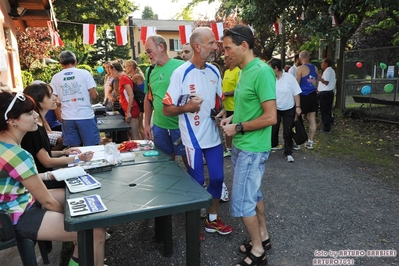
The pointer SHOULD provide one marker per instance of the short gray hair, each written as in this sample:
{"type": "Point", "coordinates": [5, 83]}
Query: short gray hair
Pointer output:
{"type": "Point", "coordinates": [67, 57]}
{"type": "Point", "coordinates": [158, 39]}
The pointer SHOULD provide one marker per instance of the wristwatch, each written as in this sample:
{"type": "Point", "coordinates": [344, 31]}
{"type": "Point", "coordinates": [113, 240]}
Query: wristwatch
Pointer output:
{"type": "Point", "coordinates": [76, 161]}
{"type": "Point", "coordinates": [240, 128]}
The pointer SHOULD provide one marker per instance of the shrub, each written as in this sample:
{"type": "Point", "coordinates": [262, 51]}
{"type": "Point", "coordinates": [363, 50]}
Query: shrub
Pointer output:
{"type": "Point", "coordinates": [27, 78]}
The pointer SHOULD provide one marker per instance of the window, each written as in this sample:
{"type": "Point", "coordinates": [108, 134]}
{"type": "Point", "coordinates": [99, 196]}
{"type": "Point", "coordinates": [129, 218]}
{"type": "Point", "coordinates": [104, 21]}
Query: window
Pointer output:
{"type": "Point", "coordinates": [175, 45]}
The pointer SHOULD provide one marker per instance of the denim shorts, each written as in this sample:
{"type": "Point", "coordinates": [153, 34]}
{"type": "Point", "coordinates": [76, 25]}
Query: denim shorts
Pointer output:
{"type": "Point", "coordinates": [248, 171]}
{"type": "Point", "coordinates": [77, 132]}
{"type": "Point", "coordinates": [165, 139]}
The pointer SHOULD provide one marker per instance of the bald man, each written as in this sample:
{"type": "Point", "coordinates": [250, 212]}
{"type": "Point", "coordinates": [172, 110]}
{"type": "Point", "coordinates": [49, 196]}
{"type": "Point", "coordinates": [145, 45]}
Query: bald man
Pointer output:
{"type": "Point", "coordinates": [307, 75]}
{"type": "Point", "coordinates": [199, 132]}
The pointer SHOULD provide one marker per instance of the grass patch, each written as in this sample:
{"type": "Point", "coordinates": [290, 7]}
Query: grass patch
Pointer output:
{"type": "Point", "coordinates": [371, 142]}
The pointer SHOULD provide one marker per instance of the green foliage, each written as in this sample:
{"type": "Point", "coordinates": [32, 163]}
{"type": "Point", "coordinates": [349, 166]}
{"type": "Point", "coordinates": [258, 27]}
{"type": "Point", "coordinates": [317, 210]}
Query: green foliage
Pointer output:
{"type": "Point", "coordinates": [27, 78]}
{"type": "Point", "coordinates": [85, 67]}
{"type": "Point", "coordinates": [104, 13]}
{"type": "Point", "coordinates": [143, 59]}
{"type": "Point", "coordinates": [148, 13]}
{"type": "Point", "coordinates": [45, 73]}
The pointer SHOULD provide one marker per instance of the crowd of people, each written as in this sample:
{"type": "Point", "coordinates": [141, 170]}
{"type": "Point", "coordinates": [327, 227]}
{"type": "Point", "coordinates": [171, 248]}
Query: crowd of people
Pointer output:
{"type": "Point", "coordinates": [191, 110]}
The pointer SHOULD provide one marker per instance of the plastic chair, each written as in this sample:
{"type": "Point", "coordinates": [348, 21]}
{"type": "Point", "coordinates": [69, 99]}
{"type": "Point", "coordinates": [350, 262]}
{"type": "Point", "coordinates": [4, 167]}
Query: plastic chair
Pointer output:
{"type": "Point", "coordinates": [26, 247]}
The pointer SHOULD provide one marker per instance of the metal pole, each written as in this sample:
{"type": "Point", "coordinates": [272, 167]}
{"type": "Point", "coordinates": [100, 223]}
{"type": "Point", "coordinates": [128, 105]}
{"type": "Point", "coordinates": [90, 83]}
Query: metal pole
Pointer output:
{"type": "Point", "coordinates": [131, 33]}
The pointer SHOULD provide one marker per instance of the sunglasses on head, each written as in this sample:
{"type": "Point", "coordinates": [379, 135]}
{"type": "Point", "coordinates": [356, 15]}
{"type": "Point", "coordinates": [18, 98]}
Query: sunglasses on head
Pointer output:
{"type": "Point", "coordinates": [20, 96]}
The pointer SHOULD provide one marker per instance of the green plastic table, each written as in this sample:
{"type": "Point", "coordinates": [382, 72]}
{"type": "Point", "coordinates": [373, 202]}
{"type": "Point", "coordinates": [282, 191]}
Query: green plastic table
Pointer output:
{"type": "Point", "coordinates": [114, 124]}
{"type": "Point", "coordinates": [143, 191]}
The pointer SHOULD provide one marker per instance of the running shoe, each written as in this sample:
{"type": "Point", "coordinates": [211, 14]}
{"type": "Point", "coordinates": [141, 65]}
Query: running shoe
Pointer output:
{"type": "Point", "coordinates": [218, 226]}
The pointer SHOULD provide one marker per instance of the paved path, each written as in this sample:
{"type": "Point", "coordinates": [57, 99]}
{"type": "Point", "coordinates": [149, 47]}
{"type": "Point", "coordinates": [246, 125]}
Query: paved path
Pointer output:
{"type": "Point", "coordinates": [313, 205]}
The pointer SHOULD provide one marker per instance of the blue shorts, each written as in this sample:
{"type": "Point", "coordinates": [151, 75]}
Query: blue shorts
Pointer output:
{"type": "Point", "coordinates": [78, 132]}
{"type": "Point", "coordinates": [248, 171]}
{"type": "Point", "coordinates": [164, 139]}
{"type": "Point", "coordinates": [214, 161]}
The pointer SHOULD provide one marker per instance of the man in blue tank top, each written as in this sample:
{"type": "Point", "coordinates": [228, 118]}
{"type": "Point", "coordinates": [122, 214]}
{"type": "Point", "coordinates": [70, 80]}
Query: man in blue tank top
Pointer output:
{"type": "Point", "coordinates": [306, 75]}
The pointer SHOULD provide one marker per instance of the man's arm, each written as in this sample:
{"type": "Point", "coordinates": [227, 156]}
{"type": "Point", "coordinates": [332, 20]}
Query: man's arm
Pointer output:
{"type": "Point", "coordinates": [268, 118]}
{"type": "Point", "coordinates": [93, 94]}
{"type": "Point", "coordinates": [193, 105]}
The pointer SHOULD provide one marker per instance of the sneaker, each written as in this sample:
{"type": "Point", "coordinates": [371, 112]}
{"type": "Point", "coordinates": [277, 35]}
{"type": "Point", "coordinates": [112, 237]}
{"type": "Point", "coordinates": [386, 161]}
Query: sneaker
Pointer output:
{"type": "Point", "coordinates": [225, 193]}
{"type": "Point", "coordinates": [309, 145]}
{"type": "Point", "coordinates": [296, 147]}
{"type": "Point", "coordinates": [227, 154]}
{"type": "Point", "coordinates": [278, 147]}
{"type": "Point", "coordinates": [289, 158]}
{"type": "Point", "coordinates": [218, 226]}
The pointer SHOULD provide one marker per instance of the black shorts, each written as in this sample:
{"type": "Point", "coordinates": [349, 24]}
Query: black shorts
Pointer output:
{"type": "Point", "coordinates": [29, 223]}
{"type": "Point", "coordinates": [309, 103]}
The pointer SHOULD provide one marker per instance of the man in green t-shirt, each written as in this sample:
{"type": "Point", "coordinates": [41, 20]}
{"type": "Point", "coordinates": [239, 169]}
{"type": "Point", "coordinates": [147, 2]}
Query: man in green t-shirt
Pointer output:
{"type": "Point", "coordinates": [165, 130]}
{"type": "Point", "coordinates": [251, 125]}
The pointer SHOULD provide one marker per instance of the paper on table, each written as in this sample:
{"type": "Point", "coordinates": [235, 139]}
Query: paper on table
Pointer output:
{"type": "Point", "coordinates": [97, 149]}
{"type": "Point", "coordinates": [66, 173]}
{"type": "Point", "coordinates": [86, 205]}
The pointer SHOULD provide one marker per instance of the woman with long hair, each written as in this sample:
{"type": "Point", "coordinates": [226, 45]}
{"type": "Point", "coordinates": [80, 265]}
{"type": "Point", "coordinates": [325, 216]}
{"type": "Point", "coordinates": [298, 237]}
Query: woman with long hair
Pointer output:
{"type": "Point", "coordinates": [21, 185]}
{"type": "Point", "coordinates": [126, 99]}
{"type": "Point", "coordinates": [37, 142]}
{"type": "Point", "coordinates": [136, 75]}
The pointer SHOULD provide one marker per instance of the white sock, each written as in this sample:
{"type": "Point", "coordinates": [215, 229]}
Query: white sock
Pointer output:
{"type": "Point", "coordinates": [212, 217]}
{"type": "Point", "coordinates": [310, 141]}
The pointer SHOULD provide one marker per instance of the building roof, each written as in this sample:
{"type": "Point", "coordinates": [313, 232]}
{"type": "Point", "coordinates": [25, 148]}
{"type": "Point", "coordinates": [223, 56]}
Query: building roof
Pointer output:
{"type": "Point", "coordinates": [162, 24]}
{"type": "Point", "coordinates": [31, 13]}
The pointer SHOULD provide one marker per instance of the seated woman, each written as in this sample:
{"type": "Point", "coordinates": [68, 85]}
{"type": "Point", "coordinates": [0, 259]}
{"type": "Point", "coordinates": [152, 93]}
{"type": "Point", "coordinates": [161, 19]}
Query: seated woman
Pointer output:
{"type": "Point", "coordinates": [37, 142]}
{"type": "Point", "coordinates": [21, 186]}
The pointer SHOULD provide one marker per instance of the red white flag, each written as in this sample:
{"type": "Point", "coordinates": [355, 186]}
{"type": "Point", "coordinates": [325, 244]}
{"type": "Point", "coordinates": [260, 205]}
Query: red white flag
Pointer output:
{"type": "Point", "coordinates": [89, 33]}
{"type": "Point", "coordinates": [185, 33]}
{"type": "Point", "coordinates": [301, 16]}
{"type": "Point", "coordinates": [121, 35]}
{"type": "Point", "coordinates": [278, 27]}
{"type": "Point", "coordinates": [55, 37]}
{"type": "Point", "coordinates": [146, 32]}
{"type": "Point", "coordinates": [217, 29]}
{"type": "Point", "coordinates": [334, 21]}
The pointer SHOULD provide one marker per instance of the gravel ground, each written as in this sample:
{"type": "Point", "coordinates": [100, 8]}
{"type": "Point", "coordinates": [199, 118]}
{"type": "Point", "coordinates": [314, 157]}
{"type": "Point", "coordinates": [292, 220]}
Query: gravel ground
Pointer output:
{"type": "Point", "coordinates": [313, 205]}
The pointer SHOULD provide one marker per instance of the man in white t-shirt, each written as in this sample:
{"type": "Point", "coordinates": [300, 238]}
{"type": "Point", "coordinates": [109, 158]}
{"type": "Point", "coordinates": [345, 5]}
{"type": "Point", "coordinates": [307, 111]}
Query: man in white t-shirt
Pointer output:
{"type": "Point", "coordinates": [297, 63]}
{"type": "Point", "coordinates": [325, 88]}
{"type": "Point", "coordinates": [198, 84]}
{"type": "Point", "coordinates": [74, 88]}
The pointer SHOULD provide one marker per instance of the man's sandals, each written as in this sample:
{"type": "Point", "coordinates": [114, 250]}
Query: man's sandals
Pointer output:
{"type": "Point", "coordinates": [255, 261]}
{"type": "Point", "coordinates": [248, 247]}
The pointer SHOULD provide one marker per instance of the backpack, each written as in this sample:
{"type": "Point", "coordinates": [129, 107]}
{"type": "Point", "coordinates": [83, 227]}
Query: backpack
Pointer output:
{"type": "Point", "coordinates": [139, 96]}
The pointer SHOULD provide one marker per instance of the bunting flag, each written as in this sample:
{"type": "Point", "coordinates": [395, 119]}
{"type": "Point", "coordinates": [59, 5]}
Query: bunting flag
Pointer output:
{"type": "Point", "coordinates": [278, 27]}
{"type": "Point", "coordinates": [89, 33]}
{"type": "Point", "coordinates": [185, 33]}
{"type": "Point", "coordinates": [217, 29]}
{"type": "Point", "coordinates": [55, 37]}
{"type": "Point", "coordinates": [121, 35]}
{"type": "Point", "coordinates": [334, 21]}
{"type": "Point", "coordinates": [146, 31]}
{"type": "Point", "coordinates": [301, 16]}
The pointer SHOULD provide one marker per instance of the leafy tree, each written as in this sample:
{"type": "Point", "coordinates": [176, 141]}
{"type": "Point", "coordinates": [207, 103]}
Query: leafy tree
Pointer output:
{"type": "Point", "coordinates": [71, 14]}
{"type": "Point", "coordinates": [317, 23]}
{"type": "Point", "coordinates": [34, 44]}
{"type": "Point", "coordinates": [148, 13]}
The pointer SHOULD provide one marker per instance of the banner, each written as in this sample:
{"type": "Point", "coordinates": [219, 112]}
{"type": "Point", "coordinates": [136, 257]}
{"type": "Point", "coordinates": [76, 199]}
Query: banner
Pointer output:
{"type": "Point", "coordinates": [217, 29]}
{"type": "Point", "coordinates": [89, 33]}
{"type": "Point", "coordinates": [185, 33]}
{"type": "Point", "coordinates": [145, 32]}
{"type": "Point", "coordinates": [55, 37]}
{"type": "Point", "coordinates": [121, 35]}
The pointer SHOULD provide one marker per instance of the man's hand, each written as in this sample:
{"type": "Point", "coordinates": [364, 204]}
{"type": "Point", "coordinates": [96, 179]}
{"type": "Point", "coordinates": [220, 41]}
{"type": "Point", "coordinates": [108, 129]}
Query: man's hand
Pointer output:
{"type": "Point", "coordinates": [194, 104]}
{"type": "Point", "coordinates": [229, 129]}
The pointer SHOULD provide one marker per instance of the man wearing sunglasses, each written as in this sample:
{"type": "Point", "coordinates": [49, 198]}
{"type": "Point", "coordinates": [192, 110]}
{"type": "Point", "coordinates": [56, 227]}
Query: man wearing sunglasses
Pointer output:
{"type": "Point", "coordinates": [251, 127]}
{"type": "Point", "coordinates": [74, 88]}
